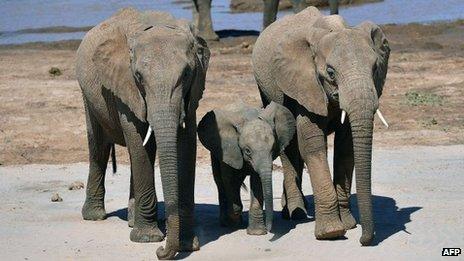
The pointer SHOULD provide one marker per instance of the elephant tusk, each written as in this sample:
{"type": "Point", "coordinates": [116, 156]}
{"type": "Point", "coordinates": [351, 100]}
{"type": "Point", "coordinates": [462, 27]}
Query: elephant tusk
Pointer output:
{"type": "Point", "coordinates": [382, 118]}
{"type": "Point", "coordinates": [343, 116]}
{"type": "Point", "coordinates": [147, 137]}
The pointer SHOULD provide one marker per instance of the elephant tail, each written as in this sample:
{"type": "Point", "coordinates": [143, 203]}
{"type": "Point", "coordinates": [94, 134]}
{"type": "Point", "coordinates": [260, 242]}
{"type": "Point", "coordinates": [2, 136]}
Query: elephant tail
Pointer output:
{"type": "Point", "coordinates": [113, 158]}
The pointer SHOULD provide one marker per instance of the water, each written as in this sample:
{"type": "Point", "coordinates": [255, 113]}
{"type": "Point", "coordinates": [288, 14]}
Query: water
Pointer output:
{"type": "Point", "coordinates": [25, 14]}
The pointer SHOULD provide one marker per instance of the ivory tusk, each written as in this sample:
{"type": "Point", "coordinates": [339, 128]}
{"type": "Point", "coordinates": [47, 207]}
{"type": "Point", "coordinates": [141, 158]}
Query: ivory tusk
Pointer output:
{"type": "Point", "coordinates": [382, 118]}
{"type": "Point", "coordinates": [147, 137]}
{"type": "Point", "coordinates": [343, 116]}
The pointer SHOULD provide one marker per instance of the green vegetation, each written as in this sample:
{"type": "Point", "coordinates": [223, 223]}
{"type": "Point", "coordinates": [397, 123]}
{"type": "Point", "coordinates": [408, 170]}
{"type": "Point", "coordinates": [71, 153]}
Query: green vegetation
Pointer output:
{"type": "Point", "coordinates": [416, 98]}
{"type": "Point", "coordinates": [55, 71]}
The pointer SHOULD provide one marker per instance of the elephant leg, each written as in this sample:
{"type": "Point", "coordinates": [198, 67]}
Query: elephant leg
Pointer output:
{"type": "Point", "coordinates": [270, 12]}
{"type": "Point", "coordinates": [293, 203]}
{"type": "Point", "coordinates": [131, 204]}
{"type": "Point", "coordinates": [187, 154]}
{"type": "Point", "coordinates": [232, 180]}
{"type": "Point", "coordinates": [202, 18]}
{"type": "Point", "coordinates": [333, 4]}
{"type": "Point", "coordinates": [142, 161]}
{"type": "Point", "coordinates": [313, 147]}
{"type": "Point", "coordinates": [343, 173]}
{"type": "Point", "coordinates": [217, 175]}
{"type": "Point", "coordinates": [99, 151]}
{"type": "Point", "coordinates": [298, 5]}
{"type": "Point", "coordinates": [256, 225]}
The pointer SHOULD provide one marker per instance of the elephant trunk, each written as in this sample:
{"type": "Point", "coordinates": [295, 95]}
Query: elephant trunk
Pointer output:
{"type": "Point", "coordinates": [359, 99]}
{"type": "Point", "coordinates": [361, 121]}
{"type": "Point", "coordinates": [266, 181]}
{"type": "Point", "coordinates": [165, 124]}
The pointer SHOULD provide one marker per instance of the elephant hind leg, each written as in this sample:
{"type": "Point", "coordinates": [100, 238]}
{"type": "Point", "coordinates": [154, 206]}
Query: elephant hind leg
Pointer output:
{"type": "Point", "coordinates": [343, 174]}
{"type": "Point", "coordinates": [293, 203]}
{"type": "Point", "coordinates": [99, 151]}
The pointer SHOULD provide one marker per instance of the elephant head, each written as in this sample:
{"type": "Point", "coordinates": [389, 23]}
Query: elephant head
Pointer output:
{"type": "Point", "coordinates": [346, 66]}
{"type": "Point", "coordinates": [247, 135]}
{"type": "Point", "coordinates": [156, 66]}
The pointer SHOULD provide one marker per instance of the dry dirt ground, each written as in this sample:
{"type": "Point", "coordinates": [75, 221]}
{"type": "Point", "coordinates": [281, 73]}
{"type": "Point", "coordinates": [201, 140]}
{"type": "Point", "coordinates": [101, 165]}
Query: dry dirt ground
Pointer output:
{"type": "Point", "coordinates": [417, 165]}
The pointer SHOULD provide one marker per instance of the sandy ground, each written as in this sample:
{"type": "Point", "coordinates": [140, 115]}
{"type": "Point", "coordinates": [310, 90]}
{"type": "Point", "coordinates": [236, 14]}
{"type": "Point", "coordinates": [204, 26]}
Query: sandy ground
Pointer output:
{"type": "Point", "coordinates": [418, 211]}
{"type": "Point", "coordinates": [417, 168]}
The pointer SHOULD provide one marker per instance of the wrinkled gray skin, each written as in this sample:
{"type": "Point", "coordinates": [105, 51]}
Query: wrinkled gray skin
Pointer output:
{"type": "Point", "coordinates": [138, 70]}
{"type": "Point", "coordinates": [201, 12]}
{"type": "Point", "coordinates": [317, 66]}
{"type": "Point", "coordinates": [245, 141]}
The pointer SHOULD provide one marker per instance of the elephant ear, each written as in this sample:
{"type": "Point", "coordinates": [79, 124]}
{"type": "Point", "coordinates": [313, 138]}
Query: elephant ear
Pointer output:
{"type": "Point", "coordinates": [295, 73]}
{"type": "Point", "coordinates": [112, 62]}
{"type": "Point", "coordinates": [218, 132]}
{"type": "Point", "coordinates": [382, 48]}
{"type": "Point", "coordinates": [202, 62]}
{"type": "Point", "coordinates": [283, 122]}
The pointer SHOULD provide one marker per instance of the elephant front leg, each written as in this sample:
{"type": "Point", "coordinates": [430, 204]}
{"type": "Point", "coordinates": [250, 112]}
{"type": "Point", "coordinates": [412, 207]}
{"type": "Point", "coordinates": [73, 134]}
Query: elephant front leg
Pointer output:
{"type": "Point", "coordinates": [293, 203]}
{"type": "Point", "coordinates": [202, 18]}
{"type": "Point", "coordinates": [313, 148]}
{"type": "Point", "coordinates": [270, 12]}
{"type": "Point", "coordinates": [99, 151]}
{"type": "Point", "coordinates": [187, 152]}
{"type": "Point", "coordinates": [256, 225]}
{"type": "Point", "coordinates": [343, 173]}
{"type": "Point", "coordinates": [232, 180]}
{"type": "Point", "coordinates": [131, 204]}
{"type": "Point", "coordinates": [142, 160]}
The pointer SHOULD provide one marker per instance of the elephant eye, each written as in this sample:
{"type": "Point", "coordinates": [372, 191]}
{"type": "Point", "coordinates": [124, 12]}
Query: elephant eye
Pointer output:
{"type": "Point", "coordinates": [330, 72]}
{"type": "Point", "coordinates": [247, 151]}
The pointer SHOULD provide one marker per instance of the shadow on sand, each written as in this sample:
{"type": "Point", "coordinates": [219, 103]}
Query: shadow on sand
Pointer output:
{"type": "Point", "coordinates": [389, 220]}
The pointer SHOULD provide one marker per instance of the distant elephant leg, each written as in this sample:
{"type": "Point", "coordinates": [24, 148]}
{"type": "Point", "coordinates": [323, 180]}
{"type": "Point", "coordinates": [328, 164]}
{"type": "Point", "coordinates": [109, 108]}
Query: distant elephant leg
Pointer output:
{"type": "Point", "coordinates": [216, 166]}
{"type": "Point", "coordinates": [298, 5]}
{"type": "Point", "coordinates": [187, 154]}
{"type": "Point", "coordinates": [202, 18]}
{"type": "Point", "coordinates": [333, 7]}
{"type": "Point", "coordinates": [256, 224]}
{"type": "Point", "coordinates": [313, 148]}
{"type": "Point", "coordinates": [99, 151]}
{"type": "Point", "coordinates": [142, 161]}
{"type": "Point", "coordinates": [343, 173]}
{"type": "Point", "coordinates": [232, 180]}
{"type": "Point", "coordinates": [293, 203]}
{"type": "Point", "coordinates": [131, 205]}
{"type": "Point", "coordinates": [270, 12]}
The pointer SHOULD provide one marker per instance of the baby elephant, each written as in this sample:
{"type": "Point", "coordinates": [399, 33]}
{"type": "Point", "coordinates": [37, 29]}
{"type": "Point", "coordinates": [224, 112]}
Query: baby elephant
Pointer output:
{"type": "Point", "coordinates": [244, 141]}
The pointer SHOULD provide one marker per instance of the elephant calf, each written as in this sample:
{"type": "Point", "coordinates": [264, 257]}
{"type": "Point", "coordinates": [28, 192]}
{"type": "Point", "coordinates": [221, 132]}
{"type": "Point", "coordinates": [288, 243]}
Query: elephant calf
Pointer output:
{"type": "Point", "coordinates": [244, 141]}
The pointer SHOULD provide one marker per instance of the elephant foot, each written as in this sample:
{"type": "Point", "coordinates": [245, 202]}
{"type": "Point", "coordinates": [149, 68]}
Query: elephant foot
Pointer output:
{"type": "Point", "coordinates": [256, 230]}
{"type": "Point", "coordinates": [146, 235]}
{"type": "Point", "coordinates": [297, 213]}
{"type": "Point", "coordinates": [130, 212]}
{"type": "Point", "coordinates": [209, 36]}
{"type": "Point", "coordinates": [329, 227]}
{"type": "Point", "coordinates": [347, 219]}
{"type": "Point", "coordinates": [189, 245]}
{"type": "Point", "coordinates": [93, 211]}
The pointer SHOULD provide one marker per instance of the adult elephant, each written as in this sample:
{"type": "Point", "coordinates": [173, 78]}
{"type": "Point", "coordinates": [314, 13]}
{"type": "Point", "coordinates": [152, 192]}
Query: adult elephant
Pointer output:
{"type": "Point", "coordinates": [202, 14]}
{"type": "Point", "coordinates": [323, 71]}
{"type": "Point", "coordinates": [141, 72]}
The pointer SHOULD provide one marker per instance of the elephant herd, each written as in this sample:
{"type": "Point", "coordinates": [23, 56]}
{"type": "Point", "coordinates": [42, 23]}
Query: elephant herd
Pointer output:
{"type": "Point", "coordinates": [142, 75]}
